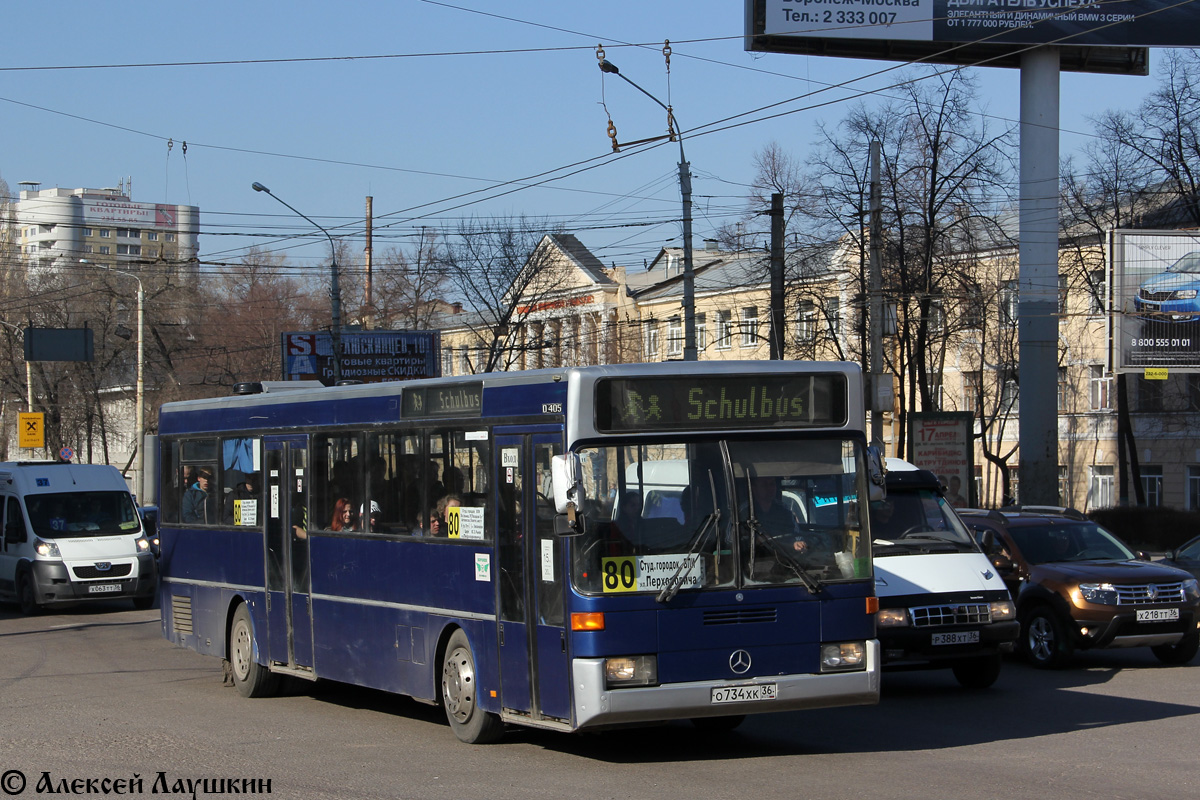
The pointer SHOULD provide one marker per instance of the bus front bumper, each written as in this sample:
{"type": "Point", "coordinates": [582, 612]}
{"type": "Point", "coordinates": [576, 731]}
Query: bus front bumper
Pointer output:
{"type": "Point", "coordinates": [597, 706]}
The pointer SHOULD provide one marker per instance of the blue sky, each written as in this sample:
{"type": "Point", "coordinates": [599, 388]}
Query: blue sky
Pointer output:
{"type": "Point", "coordinates": [463, 99]}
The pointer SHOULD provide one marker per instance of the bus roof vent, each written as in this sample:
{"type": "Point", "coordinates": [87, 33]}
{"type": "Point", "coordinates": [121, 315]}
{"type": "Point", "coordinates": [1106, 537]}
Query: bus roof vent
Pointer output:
{"type": "Point", "coordinates": [249, 387]}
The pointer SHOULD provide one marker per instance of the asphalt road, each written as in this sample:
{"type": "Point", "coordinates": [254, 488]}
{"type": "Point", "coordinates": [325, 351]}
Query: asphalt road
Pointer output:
{"type": "Point", "coordinates": [94, 693]}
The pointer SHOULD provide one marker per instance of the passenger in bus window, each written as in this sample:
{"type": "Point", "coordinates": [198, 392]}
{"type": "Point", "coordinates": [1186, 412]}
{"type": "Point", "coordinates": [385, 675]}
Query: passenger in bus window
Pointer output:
{"type": "Point", "coordinates": [437, 517]}
{"type": "Point", "coordinates": [198, 503]}
{"type": "Point", "coordinates": [369, 522]}
{"type": "Point", "coordinates": [343, 516]}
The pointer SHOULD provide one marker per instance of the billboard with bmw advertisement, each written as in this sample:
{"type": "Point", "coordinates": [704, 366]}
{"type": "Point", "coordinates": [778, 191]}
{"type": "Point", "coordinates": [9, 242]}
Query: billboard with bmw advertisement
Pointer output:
{"type": "Point", "coordinates": [1155, 279]}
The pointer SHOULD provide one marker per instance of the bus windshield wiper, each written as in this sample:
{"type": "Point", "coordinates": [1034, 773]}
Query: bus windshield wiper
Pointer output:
{"type": "Point", "coordinates": [810, 583]}
{"type": "Point", "coordinates": [711, 521]}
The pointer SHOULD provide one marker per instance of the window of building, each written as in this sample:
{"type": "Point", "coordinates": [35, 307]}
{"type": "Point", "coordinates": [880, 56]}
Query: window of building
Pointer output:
{"type": "Point", "coordinates": [464, 361]}
{"type": "Point", "coordinates": [674, 337]}
{"type": "Point", "coordinates": [806, 321]}
{"type": "Point", "coordinates": [448, 361]}
{"type": "Point", "coordinates": [170, 237]}
{"type": "Point", "coordinates": [104, 250]}
{"type": "Point", "coordinates": [937, 318]}
{"type": "Point", "coordinates": [1010, 396]}
{"type": "Point", "coordinates": [1064, 390]}
{"type": "Point", "coordinates": [935, 390]}
{"type": "Point", "coordinates": [833, 314]}
{"type": "Point", "coordinates": [750, 326]}
{"type": "Point", "coordinates": [87, 248]}
{"type": "Point", "coordinates": [1152, 483]}
{"type": "Point", "coordinates": [87, 231]}
{"type": "Point", "coordinates": [701, 332]}
{"type": "Point", "coordinates": [1096, 289]}
{"type": "Point", "coordinates": [1193, 488]}
{"type": "Point", "coordinates": [724, 330]}
{"type": "Point", "coordinates": [652, 340]}
{"type": "Point", "coordinates": [1014, 485]}
{"type": "Point", "coordinates": [970, 388]}
{"type": "Point", "coordinates": [1100, 388]}
{"type": "Point", "coordinates": [1009, 302]}
{"type": "Point", "coordinates": [151, 236]}
{"type": "Point", "coordinates": [1150, 395]}
{"type": "Point", "coordinates": [1064, 485]}
{"type": "Point", "coordinates": [129, 249]}
{"type": "Point", "coordinates": [1064, 287]}
{"type": "Point", "coordinates": [128, 233]}
{"type": "Point", "coordinates": [972, 315]}
{"type": "Point", "coordinates": [105, 233]}
{"type": "Point", "coordinates": [1101, 482]}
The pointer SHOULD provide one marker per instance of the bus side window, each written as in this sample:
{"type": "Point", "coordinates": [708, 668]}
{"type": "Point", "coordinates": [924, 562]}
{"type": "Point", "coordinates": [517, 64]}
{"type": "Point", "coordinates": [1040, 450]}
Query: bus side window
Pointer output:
{"type": "Point", "coordinates": [14, 523]}
{"type": "Point", "coordinates": [170, 483]}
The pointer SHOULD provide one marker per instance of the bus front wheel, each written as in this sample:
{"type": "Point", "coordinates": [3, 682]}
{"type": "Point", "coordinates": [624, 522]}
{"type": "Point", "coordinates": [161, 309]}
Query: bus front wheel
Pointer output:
{"type": "Point", "coordinates": [27, 594]}
{"type": "Point", "coordinates": [469, 722]}
{"type": "Point", "coordinates": [251, 678]}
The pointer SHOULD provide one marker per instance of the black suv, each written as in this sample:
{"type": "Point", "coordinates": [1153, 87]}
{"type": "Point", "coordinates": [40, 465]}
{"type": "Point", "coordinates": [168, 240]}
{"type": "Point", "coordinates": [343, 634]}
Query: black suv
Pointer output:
{"type": "Point", "coordinates": [1077, 586]}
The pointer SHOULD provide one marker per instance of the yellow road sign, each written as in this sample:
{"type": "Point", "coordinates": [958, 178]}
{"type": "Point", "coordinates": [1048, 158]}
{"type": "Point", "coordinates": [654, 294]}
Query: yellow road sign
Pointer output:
{"type": "Point", "coordinates": [32, 431]}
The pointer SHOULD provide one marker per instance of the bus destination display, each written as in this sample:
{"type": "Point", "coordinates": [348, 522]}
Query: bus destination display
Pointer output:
{"type": "Point", "coordinates": [710, 402]}
{"type": "Point", "coordinates": [465, 400]}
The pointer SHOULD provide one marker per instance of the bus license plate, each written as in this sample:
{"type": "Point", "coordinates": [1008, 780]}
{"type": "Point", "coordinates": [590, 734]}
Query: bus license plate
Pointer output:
{"type": "Point", "coordinates": [743, 694]}
{"type": "Point", "coordinates": [959, 637]}
{"type": "Point", "coordinates": [1157, 614]}
{"type": "Point", "coordinates": [97, 588]}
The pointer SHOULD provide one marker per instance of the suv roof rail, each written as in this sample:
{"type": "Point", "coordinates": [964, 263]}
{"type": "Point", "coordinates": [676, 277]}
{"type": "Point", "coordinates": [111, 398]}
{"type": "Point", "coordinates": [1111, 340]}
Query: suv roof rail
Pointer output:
{"type": "Point", "coordinates": [1059, 511]}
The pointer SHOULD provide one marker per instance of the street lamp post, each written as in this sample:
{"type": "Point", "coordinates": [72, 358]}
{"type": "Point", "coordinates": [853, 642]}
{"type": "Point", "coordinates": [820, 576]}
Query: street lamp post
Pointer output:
{"type": "Point", "coordinates": [140, 413]}
{"type": "Point", "coordinates": [335, 294]}
{"type": "Point", "coordinates": [685, 190]}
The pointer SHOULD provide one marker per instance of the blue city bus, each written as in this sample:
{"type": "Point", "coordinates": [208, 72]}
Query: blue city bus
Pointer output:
{"type": "Point", "coordinates": [568, 549]}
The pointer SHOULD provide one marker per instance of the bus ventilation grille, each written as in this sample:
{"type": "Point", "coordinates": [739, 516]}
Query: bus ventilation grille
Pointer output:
{"type": "Point", "coordinates": [739, 616]}
{"type": "Point", "coordinates": [181, 614]}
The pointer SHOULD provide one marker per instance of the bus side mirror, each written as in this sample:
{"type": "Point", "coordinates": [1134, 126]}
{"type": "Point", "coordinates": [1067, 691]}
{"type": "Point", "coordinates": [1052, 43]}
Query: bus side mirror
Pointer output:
{"type": "Point", "coordinates": [876, 490]}
{"type": "Point", "coordinates": [565, 474]}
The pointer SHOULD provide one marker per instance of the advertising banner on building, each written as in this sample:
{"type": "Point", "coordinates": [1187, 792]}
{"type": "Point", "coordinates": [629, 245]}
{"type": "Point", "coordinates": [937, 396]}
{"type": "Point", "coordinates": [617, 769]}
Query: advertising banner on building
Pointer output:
{"type": "Point", "coordinates": [367, 356]}
{"type": "Point", "coordinates": [1121, 23]}
{"type": "Point", "coordinates": [942, 443]}
{"type": "Point", "coordinates": [1155, 280]}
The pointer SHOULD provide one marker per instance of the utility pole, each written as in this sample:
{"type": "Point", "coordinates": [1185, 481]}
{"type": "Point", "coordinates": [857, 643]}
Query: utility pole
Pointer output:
{"type": "Point", "coordinates": [776, 276]}
{"type": "Point", "coordinates": [368, 305]}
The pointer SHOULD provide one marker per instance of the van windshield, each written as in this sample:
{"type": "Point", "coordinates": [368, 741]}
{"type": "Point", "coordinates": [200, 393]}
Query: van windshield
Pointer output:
{"type": "Point", "coordinates": [81, 514]}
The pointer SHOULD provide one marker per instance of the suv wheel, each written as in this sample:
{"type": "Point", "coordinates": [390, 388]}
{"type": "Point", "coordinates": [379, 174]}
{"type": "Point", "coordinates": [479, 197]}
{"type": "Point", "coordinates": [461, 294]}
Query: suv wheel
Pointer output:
{"type": "Point", "coordinates": [1181, 652]}
{"type": "Point", "coordinates": [1044, 639]}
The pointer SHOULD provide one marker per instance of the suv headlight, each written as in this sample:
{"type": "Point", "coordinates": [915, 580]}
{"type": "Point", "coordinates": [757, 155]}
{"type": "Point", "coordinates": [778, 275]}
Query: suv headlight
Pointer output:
{"type": "Point", "coordinates": [892, 617]}
{"type": "Point", "coordinates": [46, 549]}
{"type": "Point", "coordinates": [1191, 589]}
{"type": "Point", "coordinates": [1103, 594]}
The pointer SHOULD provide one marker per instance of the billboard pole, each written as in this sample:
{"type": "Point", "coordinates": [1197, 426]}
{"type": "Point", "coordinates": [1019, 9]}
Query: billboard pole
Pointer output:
{"type": "Point", "coordinates": [1037, 311]}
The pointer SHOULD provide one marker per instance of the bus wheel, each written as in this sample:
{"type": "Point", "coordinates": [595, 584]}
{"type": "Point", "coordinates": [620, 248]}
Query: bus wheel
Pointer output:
{"type": "Point", "coordinates": [26, 595]}
{"type": "Point", "coordinates": [251, 678]}
{"type": "Point", "coordinates": [469, 722]}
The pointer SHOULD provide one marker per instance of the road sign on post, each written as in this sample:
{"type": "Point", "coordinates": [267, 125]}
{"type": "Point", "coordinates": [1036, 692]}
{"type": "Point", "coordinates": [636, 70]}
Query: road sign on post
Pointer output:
{"type": "Point", "coordinates": [32, 431]}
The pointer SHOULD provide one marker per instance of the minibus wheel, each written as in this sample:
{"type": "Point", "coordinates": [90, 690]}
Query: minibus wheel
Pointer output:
{"type": "Point", "coordinates": [469, 722]}
{"type": "Point", "coordinates": [251, 678]}
{"type": "Point", "coordinates": [27, 594]}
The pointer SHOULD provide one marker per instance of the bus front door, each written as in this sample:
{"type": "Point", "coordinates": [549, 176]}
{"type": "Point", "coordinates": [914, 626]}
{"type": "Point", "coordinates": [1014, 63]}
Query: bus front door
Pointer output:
{"type": "Point", "coordinates": [534, 674]}
{"type": "Point", "coordinates": [289, 609]}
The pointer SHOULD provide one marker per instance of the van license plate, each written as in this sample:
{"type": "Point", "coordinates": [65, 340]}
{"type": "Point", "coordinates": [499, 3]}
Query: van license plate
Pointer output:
{"type": "Point", "coordinates": [958, 637]}
{"type": "Point", "coordinates": [97, 588]}
{"type": "Point", "coordinates": [1157, 614]}
{"type": "Point", "coordinates": [744, 694]}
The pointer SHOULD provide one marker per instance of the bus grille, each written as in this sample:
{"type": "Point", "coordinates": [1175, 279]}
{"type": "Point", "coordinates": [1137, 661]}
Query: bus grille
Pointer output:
{"type": "Point", "coordinates": [1150, 594]}
{"type": "Point", "coordinates": [951, 614]}
{"type": "Point", "coordinates": [739, 616]}
{"type": "Point", "coordinates": [181, 614]}
{"type": "Point", "coordinates": [117, 571]}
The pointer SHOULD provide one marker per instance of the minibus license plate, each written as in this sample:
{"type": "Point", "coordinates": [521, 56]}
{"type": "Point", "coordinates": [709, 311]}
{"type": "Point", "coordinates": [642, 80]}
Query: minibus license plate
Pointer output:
{"type": "Point", "coordinates": [1157, 614]}
{"type": "Point", "coordinates": [744, 694]}
{"type": "Point", "coordinates": [959, 637]}
{"type": "Point", "coordinates": [97, 588]}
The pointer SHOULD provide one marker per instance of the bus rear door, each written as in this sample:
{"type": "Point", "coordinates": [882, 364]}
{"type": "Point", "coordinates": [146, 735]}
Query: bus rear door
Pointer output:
{"type": "Point", "coordinates": [289, 603]}
{"type": "Point", "coordinates": [534, 677]}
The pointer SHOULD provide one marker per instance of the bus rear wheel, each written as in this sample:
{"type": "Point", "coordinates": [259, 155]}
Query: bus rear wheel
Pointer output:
{"type": "Point", "coordinates": [469, 722]}
{"type": "Point", "coordinates": [251, 678]}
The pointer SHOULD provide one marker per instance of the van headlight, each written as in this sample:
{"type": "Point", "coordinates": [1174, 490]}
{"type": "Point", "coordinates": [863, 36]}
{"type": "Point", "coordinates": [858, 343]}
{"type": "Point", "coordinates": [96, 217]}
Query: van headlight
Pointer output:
{"type": "Point", "coordinates": [630, 671]}
{"type": "Point", "coordinates": [1002, 610]}
{"type": "Point", "coordinates": [46, 549]}
{"type": "Point", "coordinates": [892, 617]}
{"type": "Point", "coordinates": [143, 544]}
{"type": "Point", "coordinates": [843, 657]}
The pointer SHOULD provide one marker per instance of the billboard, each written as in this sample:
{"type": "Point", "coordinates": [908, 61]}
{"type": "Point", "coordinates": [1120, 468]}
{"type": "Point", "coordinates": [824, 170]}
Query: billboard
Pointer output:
{"type": "Point", "coordinates": [367, 356]}
{"type": "Point", "coordinates": [1093, 35]}
{"type": "Point", "coordinates": [1155, 280]}
{"type": "Point", "coordinates": [113, 211]}
{"type": "Point", "coordinates": [942, 442]}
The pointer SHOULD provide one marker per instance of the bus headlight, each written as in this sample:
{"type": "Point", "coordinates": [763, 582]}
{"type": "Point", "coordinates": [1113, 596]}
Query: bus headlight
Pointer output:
{"type": "Point", "coordinates": [46, 549]}
{"type": "Point", "coordinates": [892, 617]}
{"type": "Point", "coordinates": [1002, 610]}
{"type": "Point", "coordinates": [630, 671]}
{"type": "Point", "coordinates": [843, 657]}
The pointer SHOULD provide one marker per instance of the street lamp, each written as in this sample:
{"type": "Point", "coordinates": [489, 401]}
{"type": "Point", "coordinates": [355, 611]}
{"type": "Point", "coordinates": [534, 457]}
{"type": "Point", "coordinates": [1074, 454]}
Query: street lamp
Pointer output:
{"type": "Point", "coordinates": [335, 294]}
{"type": "Point", "coordinates": [140, 414]}
{"type": "Point", "coordinates": [685, 189]}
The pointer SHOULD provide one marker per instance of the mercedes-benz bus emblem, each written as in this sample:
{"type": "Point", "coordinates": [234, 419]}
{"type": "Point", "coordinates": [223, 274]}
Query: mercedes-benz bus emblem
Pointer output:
{"type": "Point", "coordinates": [739, 662]}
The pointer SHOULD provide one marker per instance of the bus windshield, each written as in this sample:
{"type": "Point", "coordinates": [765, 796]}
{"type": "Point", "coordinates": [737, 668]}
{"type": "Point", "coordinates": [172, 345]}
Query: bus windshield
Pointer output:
{"type": "Point", "coordinates": [81, 514]}
{"type": "Point", "coordinates": [718, 514]}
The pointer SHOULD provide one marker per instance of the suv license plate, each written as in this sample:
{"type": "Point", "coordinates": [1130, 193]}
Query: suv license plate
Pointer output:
{"type": "Point", "coordinates": [1157, 614]}
{"type": "Point", "coordinates": [744, 694]}
{"type": "Point", "coordinates": [97, 588]}
{"type": "Point", "coordinates": [960, 637]}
